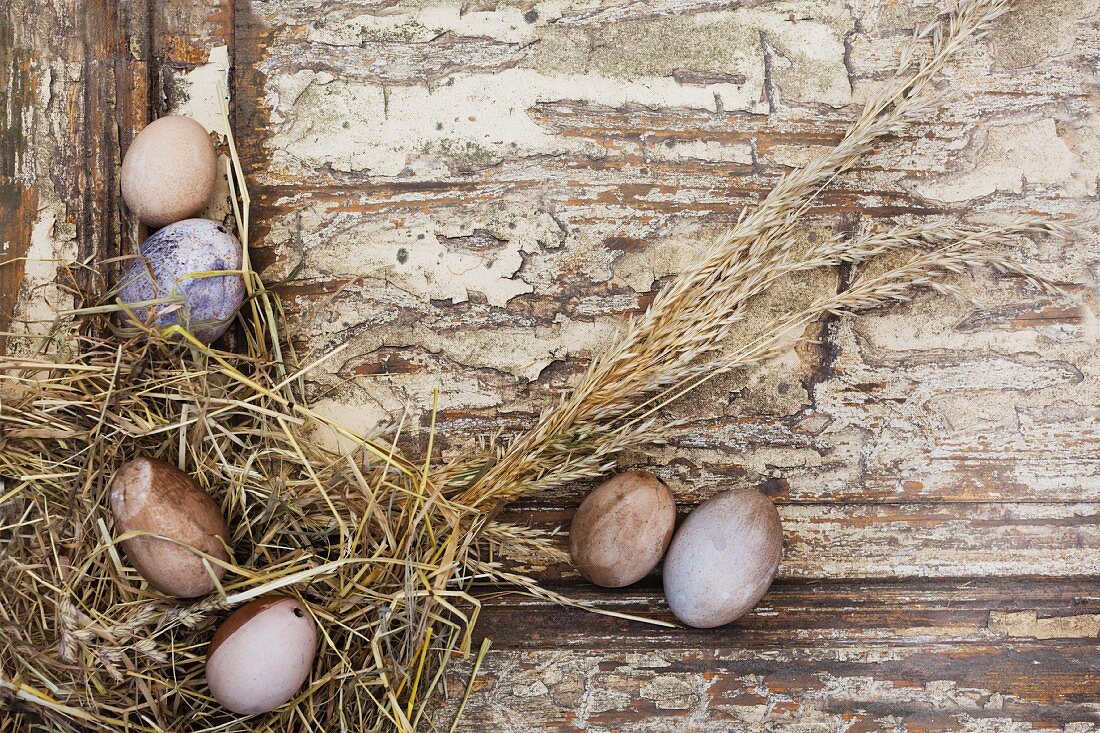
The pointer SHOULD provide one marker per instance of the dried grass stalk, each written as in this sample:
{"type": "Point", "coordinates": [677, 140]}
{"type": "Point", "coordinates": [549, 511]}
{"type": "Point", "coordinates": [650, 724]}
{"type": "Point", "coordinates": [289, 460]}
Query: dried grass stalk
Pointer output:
{"type": "Point", "coordinates": [382, 549]}
{"type": "Point", "coordinates": [698, 315]}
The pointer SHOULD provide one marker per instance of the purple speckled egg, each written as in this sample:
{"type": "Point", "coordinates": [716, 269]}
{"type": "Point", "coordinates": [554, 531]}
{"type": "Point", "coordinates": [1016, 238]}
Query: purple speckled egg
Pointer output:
{"type": "Point", "coordinates": [187, 247]}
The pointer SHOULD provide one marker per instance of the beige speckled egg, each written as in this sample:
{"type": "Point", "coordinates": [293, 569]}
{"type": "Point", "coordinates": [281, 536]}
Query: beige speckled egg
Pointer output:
{"type": "Point", "coordinates": [622, 528]}
{"type": "Point", "coordinates": [723, 558]}
{"type": "Point", "coordinates": [153, 496]}
{"type": "Point", "coordinates": [169, 171]}
{"type": "Point", "coordinates": [260, 656]}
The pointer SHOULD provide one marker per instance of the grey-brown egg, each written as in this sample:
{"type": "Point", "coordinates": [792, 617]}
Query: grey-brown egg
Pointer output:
{"type": "Point", "coordinates": [189, 272]}
{"type": "Point", "coordinates": [723, 558]}
{"type": "Point", "coordinates": [169, 171]}
{"type": "Point", "coordinates": [153, 496]}
{"type": "Point", "coordinates": [260, 655]}
{"type": "Point", "coordinates": [622, 528]}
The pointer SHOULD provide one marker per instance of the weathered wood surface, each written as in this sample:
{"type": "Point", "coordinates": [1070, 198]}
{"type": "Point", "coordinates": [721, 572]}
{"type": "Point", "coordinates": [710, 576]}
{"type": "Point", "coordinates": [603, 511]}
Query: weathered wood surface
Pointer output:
{"type": "Point", "coordinates": [813, 656]}
{"type": "Point", "coordinates": [471, 198]}
{"type": "Point", "coordinates": [72, 93]}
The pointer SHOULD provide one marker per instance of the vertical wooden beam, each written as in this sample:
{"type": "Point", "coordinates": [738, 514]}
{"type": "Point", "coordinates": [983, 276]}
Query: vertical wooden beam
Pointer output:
{"type": "Point", "coordinates": [18, 197]}
{"type": "Point", "coordinates": [75, 90]}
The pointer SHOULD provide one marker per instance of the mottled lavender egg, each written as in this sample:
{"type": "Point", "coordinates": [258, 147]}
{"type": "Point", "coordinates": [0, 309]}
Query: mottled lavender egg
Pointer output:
{"type": "Point", "coordinates": [204, 304]}
{"type": "Point", "coordinates": [169, 171]}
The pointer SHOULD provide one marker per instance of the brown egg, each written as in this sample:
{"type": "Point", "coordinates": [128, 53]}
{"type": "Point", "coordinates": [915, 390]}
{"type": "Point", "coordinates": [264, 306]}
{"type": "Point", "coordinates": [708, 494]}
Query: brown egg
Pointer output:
{"type": "Point", "coordinates": [169, 171]}
{"type": "Point", "coordinates": [622, 528]}
{"type": "Point", "coordinates": [260, 656]}
{"type": "Point", "coordinates": [154, 496]}
{"type": "Point", "coordinates": [723, 558]}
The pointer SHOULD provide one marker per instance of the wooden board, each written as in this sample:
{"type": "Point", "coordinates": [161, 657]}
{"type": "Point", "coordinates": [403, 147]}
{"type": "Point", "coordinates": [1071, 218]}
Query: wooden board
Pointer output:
{"type": "Point", "coordinates": [73, 92]}
{"type": "Point", "coordinates": [472, 197]}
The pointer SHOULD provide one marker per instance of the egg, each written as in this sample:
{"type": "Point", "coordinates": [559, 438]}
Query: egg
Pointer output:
{"type": "Point", "coordinates": [260, 655]}
{"type": "Point", "coordinates": [622, 528]}
{"type": "Point", "coordinates": [154, 496]}
{"type": "Point", "coordinates": [723, 558]}
{"type": "Point", "coordinates": [169, 171]}
{"type": "Point", "coordinates": [168, 268]}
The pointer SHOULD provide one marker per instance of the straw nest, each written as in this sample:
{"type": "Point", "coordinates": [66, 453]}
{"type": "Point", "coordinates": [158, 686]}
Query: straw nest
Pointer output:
{"type": "Point", "coordinates": [373, 544]}
{"type": "Point", "coordinates": [364, 537]}
{"type": "Point", "coordinates": [382, 550]}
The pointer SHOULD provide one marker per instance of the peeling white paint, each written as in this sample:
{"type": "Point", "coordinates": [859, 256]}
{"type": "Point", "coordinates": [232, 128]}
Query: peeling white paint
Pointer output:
{"type": "Point", "coordinates": [474, 120]}
{"type": "Point", "coordinates": [708, 150]}
{"type": "Point", "coordinates": [420, 25]}
{"type": "Point", "coordinates": [1030, 153]}
{"type": "Point", "coordinates": [52, 245]}
{"type": "Point", "coordinates": [1028, 624]}
{"type": "Point", "coordinates": [414, 255]}
{"type": "Point", "coordinates": [202, 90]}
{"type": "Point", "coordinates": [364, 404]}
{"type": "Point", "coordinates": [522, 353]}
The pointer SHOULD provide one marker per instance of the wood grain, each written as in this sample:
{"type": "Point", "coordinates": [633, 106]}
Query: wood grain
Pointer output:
{"type": "Point", "coordinates": [845, 655]}
{"type": "Point", "coordinates": [17, 198]}
{"type": "Point", "coordinates": [75, 92]}
{"type": "Point", "coordinates": [471, 198]}
{"type": "Point", "coordinates": [949, 444]}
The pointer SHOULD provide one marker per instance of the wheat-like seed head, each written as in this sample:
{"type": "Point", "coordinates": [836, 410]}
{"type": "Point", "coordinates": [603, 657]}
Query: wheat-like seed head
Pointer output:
{"type": "Point", "coordinates": [694, 318]}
